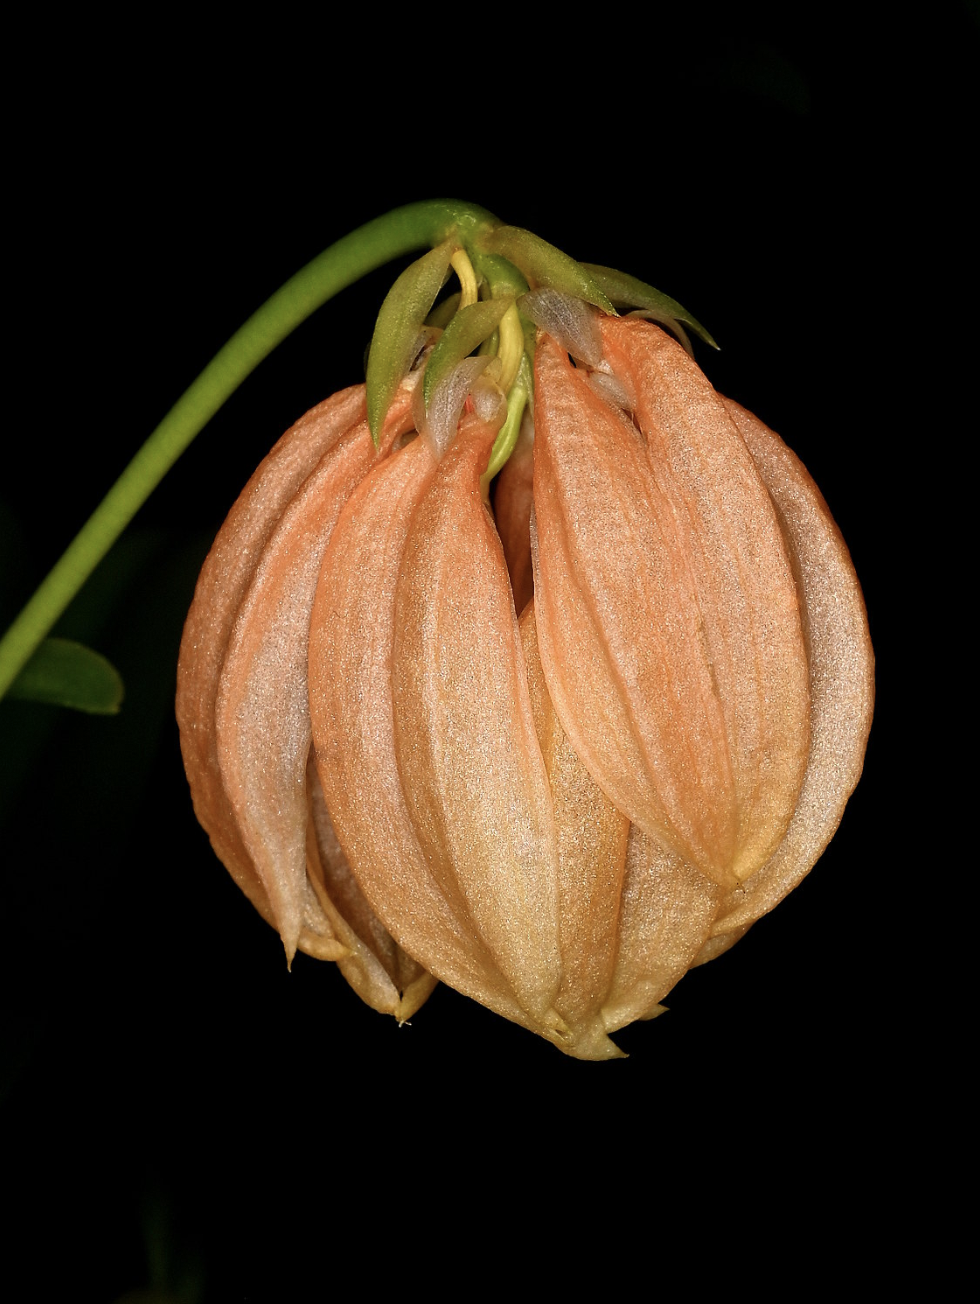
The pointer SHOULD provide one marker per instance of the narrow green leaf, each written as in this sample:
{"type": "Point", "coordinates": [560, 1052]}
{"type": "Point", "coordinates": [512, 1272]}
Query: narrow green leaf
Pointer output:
{"type": "Point", "coordinates": [627, 292]}
{"type": "Point", "coordinates": [466, 332]}
{"type": "Point", "coordinates": [406, 306]}
{"type": "Point", "coordinates": [545, 265]}
{"type": "Point", "coordinates": [64, 673]}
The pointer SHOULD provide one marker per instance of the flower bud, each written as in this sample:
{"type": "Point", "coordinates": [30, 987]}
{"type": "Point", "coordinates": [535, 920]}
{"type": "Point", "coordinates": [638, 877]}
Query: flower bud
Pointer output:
{"type": "Point", "coordinates": [556, 805]}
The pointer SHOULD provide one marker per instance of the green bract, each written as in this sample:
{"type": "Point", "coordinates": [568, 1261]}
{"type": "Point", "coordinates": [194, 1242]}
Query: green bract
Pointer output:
{"type": "Point", "coordinates": [627, 292]}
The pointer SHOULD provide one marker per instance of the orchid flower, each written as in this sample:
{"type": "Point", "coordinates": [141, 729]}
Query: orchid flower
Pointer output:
{"type": "Point", "coordinates": [534, 666]}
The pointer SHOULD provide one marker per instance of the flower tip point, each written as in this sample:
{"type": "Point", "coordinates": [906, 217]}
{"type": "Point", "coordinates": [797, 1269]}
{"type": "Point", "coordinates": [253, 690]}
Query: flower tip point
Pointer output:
{"type": "Point", "coordinates": [290, 948]}
{"type": "Point", "coordinates": [588, 1041]}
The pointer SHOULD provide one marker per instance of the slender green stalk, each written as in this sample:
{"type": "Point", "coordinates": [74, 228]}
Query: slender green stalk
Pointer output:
{"type": "Point", "coordinates": [399, 232]}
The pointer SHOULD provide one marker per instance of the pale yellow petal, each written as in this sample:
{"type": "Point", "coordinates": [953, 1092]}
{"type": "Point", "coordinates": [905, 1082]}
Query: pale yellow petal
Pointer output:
{"type": "Point", "coordinates": [620, 627]}
{"type": "Point", "coordinates": [591, 840]}
{"type": "Point", "coordinates": [666, 914]}
{"type": "Point", "coordinates": [841, 674]}
{"type": "Point", "coordinates": [746, 593]}
{"type": "Point", "coordinates": [374, 965]}
{"type": "Point", "coordinates": [472, 771]}
{"type": "Point", "coordinates": [513, 500]}
{"type": "Point", "coordinates": [350, 653]}
{"type": "Point", "coordinates": [223, 581]}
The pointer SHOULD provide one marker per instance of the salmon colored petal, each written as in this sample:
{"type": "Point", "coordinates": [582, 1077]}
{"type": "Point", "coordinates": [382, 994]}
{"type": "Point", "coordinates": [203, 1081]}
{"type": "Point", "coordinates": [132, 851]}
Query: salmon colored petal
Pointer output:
{"type": "Point", "coordinates": [372, 963]}
{"type": "Point", "coordinates": [351, 640]}
{"type": "Point", "coordinates": [513, 500]}
{"type": "Point", "coordinates": [746, 591]}
{"type": "Point", "coordinates": [667, 910]}
{"type": "Point", "coordinates": [633, 914]}
{"type": "Point", "coordinates": [468, 755]}
{"type": "Point", "coordinates": [591, 840]}
{"type": "Point", "coordinates": [223, 581]}
{"type": "Point", "coordinates": [841, 672]}
{"type": "Point", "coordinates": [619, 624]}
{"type": "Point", "coordinates": [346, 898]}
{"type": "Point", "coordinates": [262, 715]}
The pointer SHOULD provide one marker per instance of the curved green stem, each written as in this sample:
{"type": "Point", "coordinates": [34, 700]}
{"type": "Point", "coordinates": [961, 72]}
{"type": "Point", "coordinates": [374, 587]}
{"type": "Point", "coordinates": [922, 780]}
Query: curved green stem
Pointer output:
{"type": "Point", "coordinates": [399, 232]}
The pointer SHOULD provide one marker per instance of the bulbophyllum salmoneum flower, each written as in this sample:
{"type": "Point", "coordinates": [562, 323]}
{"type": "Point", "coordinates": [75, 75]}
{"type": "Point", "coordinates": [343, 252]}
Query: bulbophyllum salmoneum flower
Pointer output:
{"type": "Point", "coordinates": [551, 740]}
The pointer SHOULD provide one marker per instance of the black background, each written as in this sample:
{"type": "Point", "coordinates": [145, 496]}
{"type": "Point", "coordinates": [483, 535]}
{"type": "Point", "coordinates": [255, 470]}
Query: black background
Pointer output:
{"type": "Point", "coordinates": [181, 1110]}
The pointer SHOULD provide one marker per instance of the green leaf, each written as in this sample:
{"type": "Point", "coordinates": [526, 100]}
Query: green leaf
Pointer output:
{"type": "Point", "coordinates": [466, 332]}
{"type": "Point", "coordinates": [627, 292]}
{"type": "Point", "coordinates": [64, 673]}
{"type": "Point", "coordinates": [543, 264]}
{"type": "Point", "coordinates": [402, 315]}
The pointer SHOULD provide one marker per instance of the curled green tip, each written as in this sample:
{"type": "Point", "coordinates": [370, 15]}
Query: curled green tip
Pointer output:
{"type": "Point", "coordinates": [627, 291]}
{"type": "Point", "coordinates": [506, 440]}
